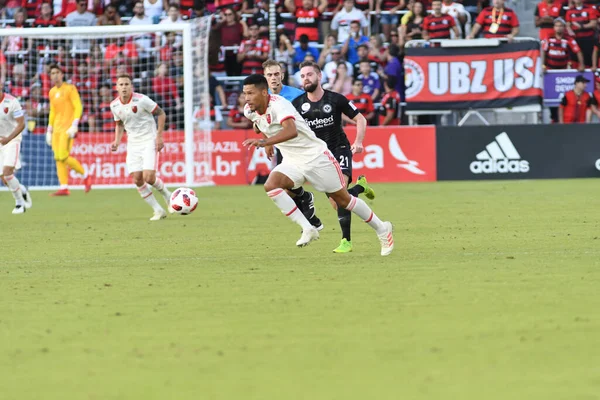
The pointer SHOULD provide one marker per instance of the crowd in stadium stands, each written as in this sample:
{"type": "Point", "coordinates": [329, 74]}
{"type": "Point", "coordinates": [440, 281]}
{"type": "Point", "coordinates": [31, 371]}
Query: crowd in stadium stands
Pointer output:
{"type": "Point", "coordinates": [359, 45]}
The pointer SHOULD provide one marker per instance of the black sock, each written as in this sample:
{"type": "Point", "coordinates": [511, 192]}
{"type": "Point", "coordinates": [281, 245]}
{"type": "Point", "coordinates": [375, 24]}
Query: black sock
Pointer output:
{"type": "Point", "coordinates": [345, 219]}
{"type": "Point", "coordinates": [356, 190]}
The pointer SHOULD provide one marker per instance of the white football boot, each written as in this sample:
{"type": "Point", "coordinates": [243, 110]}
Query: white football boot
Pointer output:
{"type": "Point", "coordinates": [308, 236]}
{"type": "Point", "coordinates": [387, 239]}
{"type": "Point", "coordinates": [19, 209]}
{"type": "Point", "coordinates": [158, 215]}
{"type": "Point", "coordinates": [26, 197]}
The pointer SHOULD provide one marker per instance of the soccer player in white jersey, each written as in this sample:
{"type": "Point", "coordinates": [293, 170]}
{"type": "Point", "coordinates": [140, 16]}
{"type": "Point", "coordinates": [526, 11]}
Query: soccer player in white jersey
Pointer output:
{"type": "Point", "coordinates": [305, 158]}
{"type": "Point", "coordinates": [12, 123]}
{"type": "Point", "coordinates": [134, 113]}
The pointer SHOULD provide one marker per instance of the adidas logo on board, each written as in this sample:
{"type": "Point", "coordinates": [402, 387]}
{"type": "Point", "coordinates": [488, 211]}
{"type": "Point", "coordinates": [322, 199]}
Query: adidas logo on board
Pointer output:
{"type": "Point", "coordinates": [500, 156]}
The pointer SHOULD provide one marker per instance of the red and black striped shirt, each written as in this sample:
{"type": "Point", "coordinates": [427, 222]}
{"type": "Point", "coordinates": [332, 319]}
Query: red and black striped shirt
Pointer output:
{"type": "Point", "coordinates": [33, 7]}
{"type": "Point", "coordinates": [497, 23]}
{"type": "Point", "coordinates": [558, 52]}
{"type": "Point", "coordinates": [579, 16]}
{"type": "Point", "coordinates": [307, 23]}
{"type": "Point", "coordinates": [390, 101]}
{"type": "Point", "coordinates": [105, 118]}
{"type": "Point", "coordinates": [438, 27]}
{"type": "Point", "coordinates": [252, 64]}
{"type": "Point", "coordinates": [387, 5]}
{"type": "Point", "coordinates": [363, 102]}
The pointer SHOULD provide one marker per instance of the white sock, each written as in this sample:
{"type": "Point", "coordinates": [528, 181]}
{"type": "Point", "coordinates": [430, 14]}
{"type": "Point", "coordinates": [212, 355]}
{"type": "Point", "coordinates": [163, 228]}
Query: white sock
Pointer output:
{"type": "Point", "coordinates": [159, 185]}
{"type": "Point", "coordinates": [148, 197]}
{"type": "Point", "coordinates": [360, 208]}
{"type": "Point", "coordinates": [288, 207]}
{"type": "Point", "coordinates": [64, 187]}
{"type": "Point", "coordinates": [15, 187]}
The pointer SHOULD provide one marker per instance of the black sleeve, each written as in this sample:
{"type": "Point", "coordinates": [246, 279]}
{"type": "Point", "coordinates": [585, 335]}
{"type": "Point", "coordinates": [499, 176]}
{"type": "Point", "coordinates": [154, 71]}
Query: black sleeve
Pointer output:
{"type": "Point", "coordinates": [563, 101]}
{"type": "Point", "coordinates": [297, 102]}
{"type": "Point", "coordinates": [347, 107]}
{"type": "Point", "coordinates": [592, 101]}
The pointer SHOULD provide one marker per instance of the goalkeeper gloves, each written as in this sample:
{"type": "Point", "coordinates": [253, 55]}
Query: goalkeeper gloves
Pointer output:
{"type": "Point", "coordinates": [49, 136]}
{"type": "Point", "coordinates": [72, 131]}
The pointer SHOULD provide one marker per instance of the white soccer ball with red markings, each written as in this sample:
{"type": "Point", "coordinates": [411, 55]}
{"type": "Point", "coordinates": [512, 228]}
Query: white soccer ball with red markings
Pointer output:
{"type": "Point", "coordinates": [183, 201]}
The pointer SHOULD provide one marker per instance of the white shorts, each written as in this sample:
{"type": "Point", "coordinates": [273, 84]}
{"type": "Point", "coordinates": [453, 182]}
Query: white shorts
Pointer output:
{"type": "Point", "coordinates": [10, 155]}
{"type": "Point", "coordinates": [324, 173]}
{"type": "Point", "coordinates": [142, 157]}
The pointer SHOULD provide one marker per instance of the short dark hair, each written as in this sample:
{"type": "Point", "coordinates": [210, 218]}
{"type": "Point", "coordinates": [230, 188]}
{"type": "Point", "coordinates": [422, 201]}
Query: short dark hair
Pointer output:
{"type": "Point", "coordinates": [124, 76]}
{"type": "Point", "coordinates": [355, 22]}
{"type": "Point", "coordinates": [310, 64]}
{"type": "Point", "coordinates": [56, 66]}
{"type": "Point", "coordinates": [394, 50]}
{"type": "Point", "coordinates": [354, 82]}
{"type": "Point", "coordinates": [257, 80]}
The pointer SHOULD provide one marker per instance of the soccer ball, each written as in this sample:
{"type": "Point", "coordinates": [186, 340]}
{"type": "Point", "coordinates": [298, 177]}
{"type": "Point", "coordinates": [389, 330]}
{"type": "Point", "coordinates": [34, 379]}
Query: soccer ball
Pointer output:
{"type": "Point", "coordinates": [183, 201]}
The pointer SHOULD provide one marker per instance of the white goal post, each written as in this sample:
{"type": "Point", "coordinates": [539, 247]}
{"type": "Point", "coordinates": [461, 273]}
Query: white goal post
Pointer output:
{"type": "Point", "coordinates": [168, 62]}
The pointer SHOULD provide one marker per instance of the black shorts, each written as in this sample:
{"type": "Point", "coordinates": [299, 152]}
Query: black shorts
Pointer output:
{"type": "Point", "coordinates": [343, 155]}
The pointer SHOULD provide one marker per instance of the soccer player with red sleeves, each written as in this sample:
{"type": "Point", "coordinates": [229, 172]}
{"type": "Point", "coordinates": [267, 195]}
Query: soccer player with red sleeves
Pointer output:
{"type": "Point", "coordinates": [437, 25]}
{"type": "Point", "coordinates": [496, 22]}
{"type": "Point", "coordinates": [134, 113]}
{"type": "Point", "coordinates": [305, 158]}
{"type": "Point", "coordinates": [557, 50]}
{"type": "Point", "coordinates": [12, 123]}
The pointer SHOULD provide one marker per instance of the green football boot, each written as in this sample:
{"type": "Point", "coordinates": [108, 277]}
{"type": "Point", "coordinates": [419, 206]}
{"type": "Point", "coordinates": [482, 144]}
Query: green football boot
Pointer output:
{"type": "Point", "coordinates": [369, 192]}
{"type": "Point", "coordinates": [344, 247]}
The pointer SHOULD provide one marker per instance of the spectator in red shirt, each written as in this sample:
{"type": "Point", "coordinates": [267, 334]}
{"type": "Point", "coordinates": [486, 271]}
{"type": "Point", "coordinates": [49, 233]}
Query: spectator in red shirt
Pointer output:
{"type": "Point", "coordinates": [390, 103]}
{"type": "Point", "coordinates": [576, 104]}
{"type": "Point", "coordinates": [596, 94]}
{"type": "Point", "coordinates": [437, 25]}
{"type": "Point", "coordinates": [307, 19]}
{"type": "Point", "coordinates": [581, 24]}
{"type": "Point", "coordinates": [2, 69]}
{"type": "Point", "coordinates": [557, 51]}
{"type": "Point", "coordinates": [231, 32]}
{"type": "Point", "coordinates": [253, 52]}
{"type": "Point", "coordinates": [545, 14]}
{"type": "Point", "coordinates": [362, 101]}
{"type": "Point", "coordinates": [165, 89]}
{"type": "Point", "coordinates": [45, 19]}
{"type": "Point", "coordinates": [32, 7]}
{"type": "Point", "coordinates": [496, 22]}
{"type": "Point", "coordinates": [86, 85]}
{"type": "Point", "coordinates": [236, 118]}
{"type": "Point", "coordinates": [104, 116]}
{"type": "Point", "coordinates": [37, 109]}
{"type": "Point", "coordinates": [19, 84]}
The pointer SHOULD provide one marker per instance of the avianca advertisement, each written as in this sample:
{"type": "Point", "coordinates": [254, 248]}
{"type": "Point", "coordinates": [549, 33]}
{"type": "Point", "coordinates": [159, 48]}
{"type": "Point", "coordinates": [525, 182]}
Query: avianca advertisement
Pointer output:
{"type": "Point", "coordinates": [391, 154]}
{"type": "Point", "coordinates": [507, 75]}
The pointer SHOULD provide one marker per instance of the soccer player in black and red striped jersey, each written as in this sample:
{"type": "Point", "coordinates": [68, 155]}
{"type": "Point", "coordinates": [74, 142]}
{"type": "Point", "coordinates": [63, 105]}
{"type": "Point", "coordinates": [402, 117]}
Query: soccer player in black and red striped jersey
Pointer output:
{"type": "Point", "coordinates": [557, 50]}
{"type": "Point", "coordinates": [581, 24]}
{"type": "Point", "coordinates": [437, 25]}
{"type": "Point", "coordinates": [496, 22]}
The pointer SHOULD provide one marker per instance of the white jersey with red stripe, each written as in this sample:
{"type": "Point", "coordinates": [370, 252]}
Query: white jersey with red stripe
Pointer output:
{"type": "Point", "coordinates": [10, 110]}
{"type": "Point", "coordinates": [136, 115]}
{"type": "Point", "coordinates": [303, 148]}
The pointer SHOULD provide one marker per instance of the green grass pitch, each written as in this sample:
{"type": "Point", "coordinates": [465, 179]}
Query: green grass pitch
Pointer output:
{"type": "Point", "coordinates": [492, 292]}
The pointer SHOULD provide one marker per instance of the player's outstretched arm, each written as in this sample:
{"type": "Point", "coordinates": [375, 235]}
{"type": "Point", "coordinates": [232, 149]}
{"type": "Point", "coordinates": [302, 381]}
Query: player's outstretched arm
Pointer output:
{"type": "Point", "coordinates": [160, 127]}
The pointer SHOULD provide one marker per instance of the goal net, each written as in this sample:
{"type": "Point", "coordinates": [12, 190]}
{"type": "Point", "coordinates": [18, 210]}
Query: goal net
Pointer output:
{"type": "Point", "coordinates": [168, 62]}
